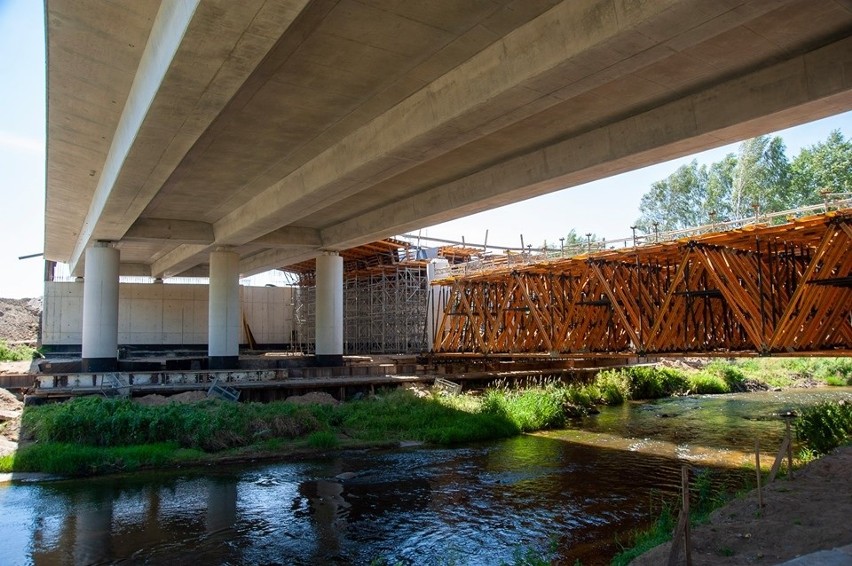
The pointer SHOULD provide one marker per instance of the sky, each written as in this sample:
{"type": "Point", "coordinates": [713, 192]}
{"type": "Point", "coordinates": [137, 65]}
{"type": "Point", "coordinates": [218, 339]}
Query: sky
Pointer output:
{"type": "Point", "coordinates": [606, 207]}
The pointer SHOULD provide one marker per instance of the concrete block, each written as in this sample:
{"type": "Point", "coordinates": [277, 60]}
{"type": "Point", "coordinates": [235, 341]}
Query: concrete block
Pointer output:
{"type": "Point", "coordinates": [141, 378]}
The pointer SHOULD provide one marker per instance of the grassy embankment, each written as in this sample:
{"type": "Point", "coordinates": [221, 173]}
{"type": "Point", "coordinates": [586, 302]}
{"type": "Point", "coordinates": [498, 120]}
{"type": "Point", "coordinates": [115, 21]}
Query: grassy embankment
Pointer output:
{"type": "Point", "coordinates": [820, 429]}
{"type": "Point", "coordinates": [94, 435]}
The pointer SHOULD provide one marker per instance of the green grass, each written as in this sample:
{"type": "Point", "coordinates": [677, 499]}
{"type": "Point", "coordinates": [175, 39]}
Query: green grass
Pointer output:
{"type": "Point", "coordinates": [527, 410]}
{"type": "Point", "coordinates": [323, 439]}
{"type": "Point", "coordinates": [707, 383]}
{"type": "Point", "coordinates": [787, 372]}
{"type": "Point", "coordinates": [399, 415]}
{"type": "Point", "coordinates": [16, 353]}
{"type": "Point", "coordinates": [96, 435]}
{"type": "Point", "coordinates": [644, 540]}
{"type": "Point", "coordinates": [76, 460]}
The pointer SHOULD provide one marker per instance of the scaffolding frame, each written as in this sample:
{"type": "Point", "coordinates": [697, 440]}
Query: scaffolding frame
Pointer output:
{"type": "Point", "coordinates": [384, 310]}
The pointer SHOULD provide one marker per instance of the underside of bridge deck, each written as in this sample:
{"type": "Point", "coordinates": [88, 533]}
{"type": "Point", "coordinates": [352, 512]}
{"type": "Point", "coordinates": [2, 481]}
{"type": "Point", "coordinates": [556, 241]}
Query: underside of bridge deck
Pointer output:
{"type": "Point", "coordinates": [283, 128]}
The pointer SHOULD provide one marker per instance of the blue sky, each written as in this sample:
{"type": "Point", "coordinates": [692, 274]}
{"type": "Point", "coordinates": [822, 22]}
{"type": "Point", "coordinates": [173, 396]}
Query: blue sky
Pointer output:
{"type": "Point", "coordinates": [607, 207]}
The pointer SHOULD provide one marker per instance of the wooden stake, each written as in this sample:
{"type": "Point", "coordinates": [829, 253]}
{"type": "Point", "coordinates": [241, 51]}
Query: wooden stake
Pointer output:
{"type": "Point", "coordinates": [684, 486]}
{"type": "Point", "coordinates": [757, 470]}
{"type": "Point", "coordinates": [681, 532]}
{"type": "Point", "coordinates": [789, 439]}
{"type": "Point", "coordinates": [776, 465]}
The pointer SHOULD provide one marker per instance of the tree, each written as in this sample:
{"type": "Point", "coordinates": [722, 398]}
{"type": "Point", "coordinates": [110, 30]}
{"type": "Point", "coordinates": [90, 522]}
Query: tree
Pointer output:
{"type": "Point", "coordinates": [677, 201]}
{"type": "Point", "coordinates": [823, 166]}
{"type": "Point", "coordinates": [761, 177]}
{"type": "Point", "coordinates": [699, 194]}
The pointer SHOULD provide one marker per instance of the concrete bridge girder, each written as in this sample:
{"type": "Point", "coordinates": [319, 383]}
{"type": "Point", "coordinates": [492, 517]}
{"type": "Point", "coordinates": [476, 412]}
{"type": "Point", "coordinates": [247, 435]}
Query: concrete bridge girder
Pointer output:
{"type": "Point", "coordinates": [288, 127]}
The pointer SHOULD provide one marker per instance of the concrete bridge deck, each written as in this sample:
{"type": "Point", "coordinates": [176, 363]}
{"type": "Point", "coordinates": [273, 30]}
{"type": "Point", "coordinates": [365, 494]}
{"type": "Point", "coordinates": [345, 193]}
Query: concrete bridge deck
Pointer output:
{"type": "Point", "coordinates": [281, 128]}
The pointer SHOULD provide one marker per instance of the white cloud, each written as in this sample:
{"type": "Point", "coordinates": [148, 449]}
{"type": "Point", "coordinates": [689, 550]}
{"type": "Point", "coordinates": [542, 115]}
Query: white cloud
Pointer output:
{"type": "Point", "coordinates": [12, 141]}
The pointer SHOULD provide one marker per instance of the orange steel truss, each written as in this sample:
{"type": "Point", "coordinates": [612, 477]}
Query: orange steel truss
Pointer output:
{"type": "Point", "coordinates": [784, 289]}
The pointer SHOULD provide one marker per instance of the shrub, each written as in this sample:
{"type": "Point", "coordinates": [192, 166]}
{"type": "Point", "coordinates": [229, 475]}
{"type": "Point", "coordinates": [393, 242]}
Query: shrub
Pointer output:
{"type": "Point", "coordinates": [825, 426]}
{"type": "Point", "coordinates": [653, 383]}
{"type": "Point", "coordinates": [614, 386]}
{"type": "Point", "coordinates": [707, 383]}
{"type": "Point", "coordinates": [835, 371]}
{"type": "Point", "coordinates": [16, 353]}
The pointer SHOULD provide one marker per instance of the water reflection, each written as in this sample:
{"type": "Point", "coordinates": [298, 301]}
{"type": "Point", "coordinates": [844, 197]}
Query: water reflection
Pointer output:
{"type": "Point", "coordinates": [468, 505]}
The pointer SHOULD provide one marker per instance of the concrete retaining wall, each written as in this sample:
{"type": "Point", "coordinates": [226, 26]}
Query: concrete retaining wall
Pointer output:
{"type": "Point", "coordinates": [161, 314]}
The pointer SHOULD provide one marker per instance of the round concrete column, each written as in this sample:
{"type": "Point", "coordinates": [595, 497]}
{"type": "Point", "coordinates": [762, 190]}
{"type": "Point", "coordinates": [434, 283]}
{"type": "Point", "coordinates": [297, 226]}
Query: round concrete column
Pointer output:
{"type": "Point", "coordinates": [223, 336]}
{"type": "Point", "coordinates": [100, 308]}
{"type": "Point", "coordinates": [329, 310]}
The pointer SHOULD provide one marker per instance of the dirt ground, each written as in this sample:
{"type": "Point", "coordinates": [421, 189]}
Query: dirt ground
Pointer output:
{"type": "Point", "coordinates": [809, 513]}
{"type": "Point", "coordinates": [20, 319]}
{"type": "Point", "coordinates": [15, 368]}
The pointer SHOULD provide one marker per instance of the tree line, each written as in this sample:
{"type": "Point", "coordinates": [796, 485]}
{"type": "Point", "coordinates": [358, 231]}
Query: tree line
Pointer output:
{"type": "Point", "coordinates": [758, 177]}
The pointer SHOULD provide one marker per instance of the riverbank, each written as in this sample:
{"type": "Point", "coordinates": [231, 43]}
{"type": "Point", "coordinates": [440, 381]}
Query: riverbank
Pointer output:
{"type": "Point", "coordinates": [90, 436]}
{"type": "Point", "coordinates": [808, 513]}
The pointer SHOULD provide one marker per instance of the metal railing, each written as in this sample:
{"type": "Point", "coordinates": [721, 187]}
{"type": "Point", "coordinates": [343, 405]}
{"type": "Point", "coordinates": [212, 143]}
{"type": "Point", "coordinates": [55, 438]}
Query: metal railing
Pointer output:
{"type": "Point", "coordinates": [492, 262]}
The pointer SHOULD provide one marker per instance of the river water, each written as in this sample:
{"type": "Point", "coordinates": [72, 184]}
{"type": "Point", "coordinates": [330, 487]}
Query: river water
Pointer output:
{"type": "Point", "coordinates": [575, 489]}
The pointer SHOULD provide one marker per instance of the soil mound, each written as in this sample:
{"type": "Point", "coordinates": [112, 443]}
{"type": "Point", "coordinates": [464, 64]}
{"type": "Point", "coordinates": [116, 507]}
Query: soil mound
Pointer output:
{"type": "Point", "coordinates": [10, 422]}
{"type": "Point", "coordinates": [184, 398]}
{"type": "Point", "coordinates": [20, 319]}
{"type": "Point", "coordinates": [312, 398]}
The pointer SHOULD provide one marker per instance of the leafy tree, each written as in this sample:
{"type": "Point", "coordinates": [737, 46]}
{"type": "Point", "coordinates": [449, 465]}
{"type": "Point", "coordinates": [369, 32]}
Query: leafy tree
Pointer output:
{"type": "Point", "coordinates": [826, 165]}
{"type": "Point", "coordinates": [759, 174]}
{"type": "Point", "coordinates": [761, 177]}
{"type": "Point", "coordinates": [676, 201]}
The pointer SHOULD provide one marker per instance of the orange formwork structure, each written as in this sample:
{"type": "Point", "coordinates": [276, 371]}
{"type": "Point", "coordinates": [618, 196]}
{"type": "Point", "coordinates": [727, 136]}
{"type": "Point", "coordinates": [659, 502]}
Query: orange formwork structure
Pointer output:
{"type": "Point", "coordinates": [783, 289]}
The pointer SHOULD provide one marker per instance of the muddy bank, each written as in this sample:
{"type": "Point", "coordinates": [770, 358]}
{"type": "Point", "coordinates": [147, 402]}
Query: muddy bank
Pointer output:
{"type": "Point", "coordinates": [800, 516]}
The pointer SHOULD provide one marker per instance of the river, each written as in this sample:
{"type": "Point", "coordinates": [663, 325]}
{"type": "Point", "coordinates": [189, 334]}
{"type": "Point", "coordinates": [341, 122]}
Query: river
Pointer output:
{"type": "Point", "coordinates": [576, 489]}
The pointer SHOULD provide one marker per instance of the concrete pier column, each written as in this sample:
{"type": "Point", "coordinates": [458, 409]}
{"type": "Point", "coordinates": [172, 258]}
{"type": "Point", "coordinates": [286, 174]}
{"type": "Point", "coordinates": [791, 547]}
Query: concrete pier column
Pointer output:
{"type": "Point", "coordinates": [100, 308]}
{"type": "Point", "coordinates": [223, 336]}
{"type": "Point", "coordinates": [329, 310]}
